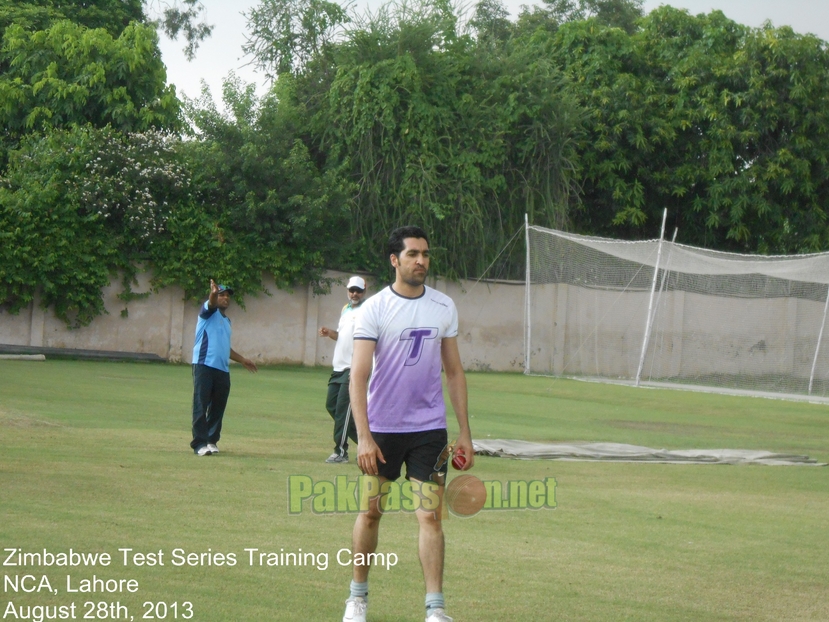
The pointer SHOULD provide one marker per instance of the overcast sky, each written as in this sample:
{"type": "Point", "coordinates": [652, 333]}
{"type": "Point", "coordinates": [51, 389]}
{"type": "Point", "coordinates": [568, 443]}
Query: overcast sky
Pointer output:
{"type": "Point", "coordinates": [222, 52]}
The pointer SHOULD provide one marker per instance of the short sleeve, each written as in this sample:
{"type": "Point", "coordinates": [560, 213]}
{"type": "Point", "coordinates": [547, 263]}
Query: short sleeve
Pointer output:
{"type": "Point", "coordinates": [365, 322]}
{"type": "Point", "coordinates": [206, 311]}
{"type": "Point", "coordinates": [452, 330]}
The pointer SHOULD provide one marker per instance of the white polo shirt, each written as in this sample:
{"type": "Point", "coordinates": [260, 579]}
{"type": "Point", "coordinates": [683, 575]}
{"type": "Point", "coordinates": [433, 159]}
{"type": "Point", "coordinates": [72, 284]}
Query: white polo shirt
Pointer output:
{"type": "Point", "coordinates": [344, 347]}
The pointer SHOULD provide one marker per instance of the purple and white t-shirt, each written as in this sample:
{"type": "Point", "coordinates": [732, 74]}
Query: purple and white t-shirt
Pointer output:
{"type": "Point", "coordinates": [405, 393]}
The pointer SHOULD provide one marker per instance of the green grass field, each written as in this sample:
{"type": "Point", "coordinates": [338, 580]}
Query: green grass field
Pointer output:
{"type": "Point", "coordinates": [95, 458]}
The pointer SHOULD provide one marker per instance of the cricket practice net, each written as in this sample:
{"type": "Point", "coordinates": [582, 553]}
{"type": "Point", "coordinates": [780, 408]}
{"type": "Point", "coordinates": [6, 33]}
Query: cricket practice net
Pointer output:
{"type": "Point", "coordinates": [659, 312]}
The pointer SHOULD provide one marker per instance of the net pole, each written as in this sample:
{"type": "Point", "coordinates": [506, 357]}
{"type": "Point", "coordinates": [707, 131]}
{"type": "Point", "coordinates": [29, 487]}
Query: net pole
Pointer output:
{"type": "Point", "coordinates": [527, 323]}
{"type": "Point", "coordinates": [817, 347]}
{"type": "Point", "coordinates": [662, 288]}
{"type": "Point", "coordinates": [648, 320]}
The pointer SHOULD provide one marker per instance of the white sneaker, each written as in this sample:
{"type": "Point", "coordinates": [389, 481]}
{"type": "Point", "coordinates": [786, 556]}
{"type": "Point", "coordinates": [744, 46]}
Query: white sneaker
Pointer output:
{"type": "Point", "coordinates": [211, 447]}
{"type": "Point", "coordinates": [204, 450]}
{"type": "Point", "coordinates": [355, 609]}
{"type": "Point", "coordinates": [438, 615]}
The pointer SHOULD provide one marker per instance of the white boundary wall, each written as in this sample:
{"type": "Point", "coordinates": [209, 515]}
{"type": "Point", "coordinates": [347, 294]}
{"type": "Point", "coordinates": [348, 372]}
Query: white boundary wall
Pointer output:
{"type": "Point", "coordinates": [277, 329]}
{"type": "Point", "coordinates": [597, 333]}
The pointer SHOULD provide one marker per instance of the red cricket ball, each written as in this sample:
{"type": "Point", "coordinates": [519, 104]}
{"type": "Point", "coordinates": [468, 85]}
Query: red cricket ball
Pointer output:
{"type": "Point", "coordinates": [459, 460]}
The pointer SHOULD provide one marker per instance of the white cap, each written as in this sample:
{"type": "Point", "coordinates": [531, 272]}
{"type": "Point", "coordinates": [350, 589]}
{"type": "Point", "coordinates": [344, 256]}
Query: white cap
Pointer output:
{"type": "Point", "coordinates": [356, 281]}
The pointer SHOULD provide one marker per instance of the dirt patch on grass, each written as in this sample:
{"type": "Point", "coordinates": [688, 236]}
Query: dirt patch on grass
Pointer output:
{"type": "Point", "coordinates": [17, 419]}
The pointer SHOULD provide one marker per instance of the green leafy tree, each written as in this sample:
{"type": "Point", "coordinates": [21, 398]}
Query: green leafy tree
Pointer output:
{"type": "Point", "coordinates": [440, 130]}
{"type": "Point", "coordinates": [111, 15]}
{"type": "Point", "coordinates": [718, 122]}
{"type": "Point", "coordinates": [80, 205]}
{"type": "Point", "coordinates": [71, 75]}
{"type": "Point", "coordinates": [553, 13]}
{"type": "Point", "coordinates": [459, 133]}
{"type": "Point", "coordinates": [491, 21]}
{"type": "Point", "coordinates": [179, 18]}
{"type": "Point", "coordinates": [271, 208]}
{"type": "Point", "coordinates": [285, 35]}
{"type": "Point", "coordinates": [241, 199]}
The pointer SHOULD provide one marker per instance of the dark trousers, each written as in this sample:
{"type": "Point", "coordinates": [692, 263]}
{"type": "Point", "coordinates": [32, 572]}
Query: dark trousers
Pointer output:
{"type": "Point", "coordinates": [338, 405]}
{"type": "Point", "coordinates": [211, 388]}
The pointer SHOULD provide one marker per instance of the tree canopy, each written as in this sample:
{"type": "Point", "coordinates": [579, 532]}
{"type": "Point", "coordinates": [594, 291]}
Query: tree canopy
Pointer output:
{"type": "Point", "coordinates": [79, 83]}
{"type": "Point", "coordinates": [583, 114]}
{"type": "Point", "coordinates": [720, 123]}
{"type": "Point", "coordinates": [176, 18]}
{"type": "Point", "coordinates": [111, 15]}
{"type": "Point", "coordinates": [59, 73]}
{"type": "Point", "coordinates": [79, 204]}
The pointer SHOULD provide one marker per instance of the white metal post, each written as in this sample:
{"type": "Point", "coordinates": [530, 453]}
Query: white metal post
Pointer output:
{"type": "Point", "coordinates": [817, 347]}
{"type": "Point", "coordinates": [662, 286]}
{"type": "Point", "coordinates": [650, 302]}
{"type": "Point", "coordinates": [527, 325]}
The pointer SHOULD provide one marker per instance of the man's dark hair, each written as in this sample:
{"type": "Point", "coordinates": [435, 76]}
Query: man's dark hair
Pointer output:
{"type": "Point", "coordinates": [396, 244]}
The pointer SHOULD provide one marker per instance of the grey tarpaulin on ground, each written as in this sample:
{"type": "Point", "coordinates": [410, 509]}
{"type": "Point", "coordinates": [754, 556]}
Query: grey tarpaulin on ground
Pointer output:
{"type": "Point", "coordinates": [619, 452]}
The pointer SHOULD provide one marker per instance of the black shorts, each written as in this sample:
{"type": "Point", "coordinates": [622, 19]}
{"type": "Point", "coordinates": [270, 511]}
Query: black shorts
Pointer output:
{"type": "Point", "coordinates": [418, 450]}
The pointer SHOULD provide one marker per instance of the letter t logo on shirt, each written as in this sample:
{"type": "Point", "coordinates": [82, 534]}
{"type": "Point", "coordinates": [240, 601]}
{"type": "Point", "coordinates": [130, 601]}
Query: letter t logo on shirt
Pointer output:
{"type": "Point", "coordinates": [417, 336]}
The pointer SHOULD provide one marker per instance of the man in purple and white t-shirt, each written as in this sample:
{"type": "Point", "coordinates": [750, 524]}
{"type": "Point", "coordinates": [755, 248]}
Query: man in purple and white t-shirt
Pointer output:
{"type": "Point", "coordinates": [406, 332]}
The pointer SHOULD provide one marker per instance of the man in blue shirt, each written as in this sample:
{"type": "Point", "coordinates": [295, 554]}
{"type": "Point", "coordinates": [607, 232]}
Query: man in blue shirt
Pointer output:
{"type": "Point", "coordinates": [211, 373]}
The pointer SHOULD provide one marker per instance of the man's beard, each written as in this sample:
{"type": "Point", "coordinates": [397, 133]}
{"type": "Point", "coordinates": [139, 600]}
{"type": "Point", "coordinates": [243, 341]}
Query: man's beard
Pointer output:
{"type": "Point", "coordinates": [415, 279]}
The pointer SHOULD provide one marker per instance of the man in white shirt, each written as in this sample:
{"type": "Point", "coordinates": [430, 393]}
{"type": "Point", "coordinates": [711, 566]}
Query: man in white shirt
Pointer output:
{"type": "Point", "coordinates": [403, 336]}
{"type": "Point", "coordinates": [337, 403]}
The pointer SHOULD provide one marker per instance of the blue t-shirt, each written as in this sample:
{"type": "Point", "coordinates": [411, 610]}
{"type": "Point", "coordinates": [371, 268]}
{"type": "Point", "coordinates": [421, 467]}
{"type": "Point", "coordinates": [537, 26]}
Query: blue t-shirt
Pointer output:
{"type": "Point", "coordinates": [212, 346]}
